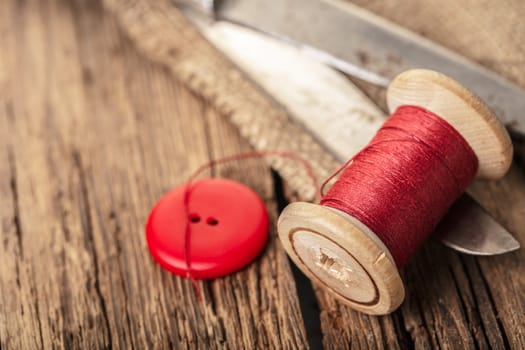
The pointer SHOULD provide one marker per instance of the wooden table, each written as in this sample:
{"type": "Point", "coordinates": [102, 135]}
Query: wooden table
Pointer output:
{"type": "Point", "coordinates": [93, 132]}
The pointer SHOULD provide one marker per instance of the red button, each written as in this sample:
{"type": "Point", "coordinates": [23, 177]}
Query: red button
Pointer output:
{"type": "Point", "coordinates": [228, 223]}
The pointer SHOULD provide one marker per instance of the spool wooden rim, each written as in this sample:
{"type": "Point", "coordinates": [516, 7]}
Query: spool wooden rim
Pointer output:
{"type": "Point", "coordinates": [342, 254]}
{"type": "Point", "coordinates": [338, 251]}
{"type": "Point", "coordinates": [476, 122]}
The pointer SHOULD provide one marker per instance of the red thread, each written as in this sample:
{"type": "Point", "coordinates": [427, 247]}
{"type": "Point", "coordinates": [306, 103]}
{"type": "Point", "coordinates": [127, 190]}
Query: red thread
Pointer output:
{"type": "Point", "coordinates": [403, 182]}
{"type": "Point", "coordinates": [400, 185]}
{"type": "Point", "coordinates": [213, 163]}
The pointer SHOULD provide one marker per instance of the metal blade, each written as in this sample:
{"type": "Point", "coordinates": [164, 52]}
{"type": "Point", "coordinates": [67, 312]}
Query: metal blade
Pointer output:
{"type": "Point", "coordinates": [368, 47]}
{"type": "Point", "coordinates": [470, 219]}
{"type": "Point", "coordinates": [338, 114]}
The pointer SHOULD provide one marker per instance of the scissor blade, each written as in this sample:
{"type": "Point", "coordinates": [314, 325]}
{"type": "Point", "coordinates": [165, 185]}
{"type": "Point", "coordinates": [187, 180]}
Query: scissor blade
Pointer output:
{"type": "Point", "coordinates": [335, 112]}
{"type": "Point", "coordinates": [366, 46]}
{"type": "Point", "coordinates": [471, 220]}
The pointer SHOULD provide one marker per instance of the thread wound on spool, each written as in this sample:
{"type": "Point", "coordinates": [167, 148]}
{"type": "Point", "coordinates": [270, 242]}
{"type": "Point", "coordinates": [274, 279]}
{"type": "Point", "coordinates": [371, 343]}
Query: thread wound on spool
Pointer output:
{"type": "Point", "coordinates": [403, 182]}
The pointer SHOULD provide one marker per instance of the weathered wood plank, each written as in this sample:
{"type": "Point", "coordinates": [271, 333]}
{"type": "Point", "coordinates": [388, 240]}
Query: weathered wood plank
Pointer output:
{"type": "Point", "coordinates": [45, 187]}
{"type": "Point", "coordinates": [91, 135]}
{"type": "Point", "coordinates": [443, 309]}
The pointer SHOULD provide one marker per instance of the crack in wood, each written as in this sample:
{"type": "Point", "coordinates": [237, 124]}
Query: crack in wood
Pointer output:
{"type": "Point", "coordinates": [212, 298]}
{"type": "Point", "coordinates": [307, 300]}
{"type": "Point", "coordinates": [115, 233]}
{"type": "Point", "coordinates": [36, 308]}
{"type": "Point", "coordinates": [463, 306]}
{"type": "Point", "coordinates": [475, 307]}
{"type": "Point", "coordinates": [87, 227]}
{"type": "Point", "coordinates": [172, 315]}
{"type": "Point", "coordinates": [421, 325]}
{"type": "Point", "coordinates": [493, 306]}
{"type": "Point", "coordinates": [65, 305]}
{"type": "Point", "coordinates": [407, 342]}
{"type": "Point", "coordinates": [63, 216]}
{"type": "Point", "coordinates": [16, 206]}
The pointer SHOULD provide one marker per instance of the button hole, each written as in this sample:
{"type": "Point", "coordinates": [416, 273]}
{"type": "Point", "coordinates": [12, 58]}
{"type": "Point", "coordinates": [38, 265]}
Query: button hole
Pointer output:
{"type": "Point", "coordinates": [212, 221]}
{"type": "Point", "coordinates": [194, 218]}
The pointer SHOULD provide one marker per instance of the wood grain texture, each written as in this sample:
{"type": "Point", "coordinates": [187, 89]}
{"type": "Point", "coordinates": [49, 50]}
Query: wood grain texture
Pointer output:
{"type": "Point", "coordinates": [437, 313]}
{"type": "Point", "coordinates": [92, 134]}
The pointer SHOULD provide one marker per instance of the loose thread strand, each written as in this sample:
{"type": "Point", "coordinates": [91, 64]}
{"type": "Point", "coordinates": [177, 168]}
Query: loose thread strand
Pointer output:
{"type": "Point", "coordinates": [211, 164]}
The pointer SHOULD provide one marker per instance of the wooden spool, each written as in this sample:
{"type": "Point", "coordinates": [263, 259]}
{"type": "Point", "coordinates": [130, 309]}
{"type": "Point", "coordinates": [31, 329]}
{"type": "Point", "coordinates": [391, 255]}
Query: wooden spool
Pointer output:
{"type": "Point", "coordinates": [339, 252]}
